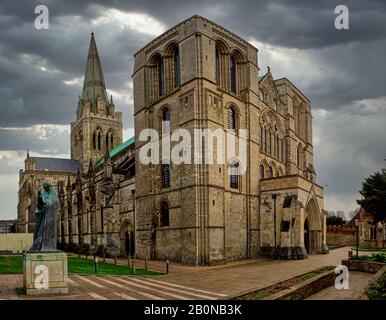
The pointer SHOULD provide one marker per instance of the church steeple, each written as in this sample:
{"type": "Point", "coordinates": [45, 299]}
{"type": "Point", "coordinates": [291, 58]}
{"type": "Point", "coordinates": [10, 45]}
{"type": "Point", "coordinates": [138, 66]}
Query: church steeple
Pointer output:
{"type": "Point", "coordinates": [94, 82]}
{"type": "Point", "coordinates": [91, 137]}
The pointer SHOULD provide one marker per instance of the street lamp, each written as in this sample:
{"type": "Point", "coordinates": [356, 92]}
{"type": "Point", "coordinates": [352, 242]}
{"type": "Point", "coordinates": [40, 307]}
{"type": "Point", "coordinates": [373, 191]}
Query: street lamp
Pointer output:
{"type": "Point", "coordinates": [357, 227]}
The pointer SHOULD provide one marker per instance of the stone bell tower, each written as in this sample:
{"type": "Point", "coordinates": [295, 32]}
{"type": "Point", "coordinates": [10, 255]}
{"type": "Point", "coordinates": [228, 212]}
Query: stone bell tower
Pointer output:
{"type": "Point", "coordinates": [98, 128]}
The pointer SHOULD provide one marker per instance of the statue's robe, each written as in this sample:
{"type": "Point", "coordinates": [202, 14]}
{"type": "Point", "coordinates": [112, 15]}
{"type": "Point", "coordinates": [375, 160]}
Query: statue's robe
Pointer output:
{"type": "Point", "coordinates": [46, 221]}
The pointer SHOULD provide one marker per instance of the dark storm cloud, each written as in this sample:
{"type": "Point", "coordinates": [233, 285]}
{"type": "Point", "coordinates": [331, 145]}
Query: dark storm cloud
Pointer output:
{"type": "Point", "coordinates": [334, 69]}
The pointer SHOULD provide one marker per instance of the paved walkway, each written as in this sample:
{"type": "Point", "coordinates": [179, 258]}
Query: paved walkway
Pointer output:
{"type": "Point", "coordinates": [358, 281]}
{"type": "Point", "coordinates": [187, 282]}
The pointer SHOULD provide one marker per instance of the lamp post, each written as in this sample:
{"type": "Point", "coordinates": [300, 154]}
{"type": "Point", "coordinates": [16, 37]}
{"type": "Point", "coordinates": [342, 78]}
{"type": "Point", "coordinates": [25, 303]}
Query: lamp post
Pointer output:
{"type": "Point", "coordinates": [274, 224]}
{"type": "Point", "coordinates": [357, 227]}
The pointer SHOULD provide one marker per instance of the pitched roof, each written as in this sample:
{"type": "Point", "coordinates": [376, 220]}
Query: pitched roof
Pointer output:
{"type": "Point", "coordinates": [57, 164]}
{"type": "Point", "coordinates": [116, 150]}
{"type": "Point", "coordinates": [94, 82]}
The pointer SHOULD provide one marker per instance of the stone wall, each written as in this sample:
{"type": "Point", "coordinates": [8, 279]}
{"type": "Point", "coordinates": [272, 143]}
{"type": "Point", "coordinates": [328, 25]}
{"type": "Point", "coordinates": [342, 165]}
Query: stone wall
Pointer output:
{"type": "Point", "coordinates": [341, 236]}
{"type": "Point", "coordinates": [15, 242]}
{"type": "Point", "coordinates": [364, 266]}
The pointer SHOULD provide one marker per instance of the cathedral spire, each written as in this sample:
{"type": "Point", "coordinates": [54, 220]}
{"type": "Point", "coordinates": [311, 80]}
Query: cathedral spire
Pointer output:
{"type": "Point", "coordinates": [94, 82]}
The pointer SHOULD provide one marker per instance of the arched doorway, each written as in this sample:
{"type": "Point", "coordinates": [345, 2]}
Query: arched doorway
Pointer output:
{"type": "Point", "coordinates": [312, 228]}
{"type": "Point", "coordinates": [307, 235]}
{"type": "Point", "coordinates": [127, 241]}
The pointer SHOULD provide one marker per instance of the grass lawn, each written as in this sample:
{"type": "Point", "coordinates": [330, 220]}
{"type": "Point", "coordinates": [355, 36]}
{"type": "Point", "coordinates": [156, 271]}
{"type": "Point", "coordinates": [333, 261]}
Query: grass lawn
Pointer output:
{"type": "Point", "coordinates": [14, 265]}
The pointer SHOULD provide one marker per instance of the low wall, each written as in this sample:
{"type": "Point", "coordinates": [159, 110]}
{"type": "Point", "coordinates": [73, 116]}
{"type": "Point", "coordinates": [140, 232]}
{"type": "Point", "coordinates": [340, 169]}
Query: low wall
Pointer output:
{"type": "Point", "coordinates": [364, 266]}
{"type": "Point", "coordinates": [306, 288]}
{"type": "Point", "coordinates": [341, 235]}
{"type": "Point", "coordinates": [15, 242]}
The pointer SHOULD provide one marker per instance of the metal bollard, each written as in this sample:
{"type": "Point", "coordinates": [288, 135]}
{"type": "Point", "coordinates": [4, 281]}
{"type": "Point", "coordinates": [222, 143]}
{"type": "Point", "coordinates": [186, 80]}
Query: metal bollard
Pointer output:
{"type": "Point", "coordinates": [167, 266]}
{"type": "Point", "coordinates": [104, 254]}
{"type": "Point", "coordinates": [115, 259]}
{"type": "Point", "coordinates": [96, 265]}
{"type": "Point", "coordinates": [145, 263]}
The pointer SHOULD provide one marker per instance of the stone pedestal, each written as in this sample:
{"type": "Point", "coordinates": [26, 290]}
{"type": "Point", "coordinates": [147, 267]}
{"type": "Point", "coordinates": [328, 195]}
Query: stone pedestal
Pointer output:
{"type": "Point", "coordinates": [45, 273]}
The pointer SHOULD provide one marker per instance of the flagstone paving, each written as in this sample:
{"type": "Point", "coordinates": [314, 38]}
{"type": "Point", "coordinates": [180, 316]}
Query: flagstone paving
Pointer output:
{"type": "Point", "coordinates": [187, 282]}
{"type": "Point", "coordinates": [358, 281]}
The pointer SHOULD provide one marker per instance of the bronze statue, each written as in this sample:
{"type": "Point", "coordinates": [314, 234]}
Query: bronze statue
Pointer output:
{"type": "Point", "coordinates": [46, 220]}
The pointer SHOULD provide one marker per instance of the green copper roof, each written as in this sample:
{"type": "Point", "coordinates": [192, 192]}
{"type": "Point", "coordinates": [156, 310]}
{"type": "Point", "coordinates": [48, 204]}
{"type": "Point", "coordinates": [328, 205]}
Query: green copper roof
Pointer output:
{"type": "Point", "coordinates": [116, 150]}
{"type": "Point", "coordinates": [261, 78]}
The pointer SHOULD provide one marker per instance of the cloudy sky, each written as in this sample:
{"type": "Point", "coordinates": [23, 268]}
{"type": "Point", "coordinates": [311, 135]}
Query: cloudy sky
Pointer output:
{"type": "Point", "coordinates": [341, 71]}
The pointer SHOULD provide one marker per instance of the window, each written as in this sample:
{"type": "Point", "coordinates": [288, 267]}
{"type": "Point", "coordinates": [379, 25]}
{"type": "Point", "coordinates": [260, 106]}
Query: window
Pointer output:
{"type": "Point", "coordinates": [269, 142]}
{"type": "Point", "coordinates": [373, 233]}
{"type": "Point", "coordinates": [231, 119]}
{"type": "Point", "coordinates": [261, 172]}
{"type": "Point", "coordinates": [166, 121]}
{"type": "Point", "coordinates": [107, 142]}
{"type": "Point", "coordinates": [165, 176]}
{"type": "Point", "coordinates": [270, 172]}
{"type": "Point", "coordinates": [164, 214]}
{"type": "Point", "coordinates": [232, 72]}
{"type": "Point", "coordinates": [160, 69]}
{"type": "Point", "coordinates": [277, 147]}
{"type": "Point", "coordinates": [261, 137]}
{"type": "Point", "coordinates": [217, 66]}
{"type": "Point", "coordinates": [177, 77]}
{"type": "Point", "coordinates": [234, 175]}
{"type": "Point", "coordinates": [94, 140]}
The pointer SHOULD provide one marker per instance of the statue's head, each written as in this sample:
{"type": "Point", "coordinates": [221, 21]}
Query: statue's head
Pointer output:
{"type": "Point", "coordinates": [46, 186]}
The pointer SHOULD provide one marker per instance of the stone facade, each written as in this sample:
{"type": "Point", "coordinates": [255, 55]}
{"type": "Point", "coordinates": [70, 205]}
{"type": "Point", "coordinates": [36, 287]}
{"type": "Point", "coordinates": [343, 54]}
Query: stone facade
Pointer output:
{"type": "Point", "coordinates": [370, 236]}
{"type": "Point", "coordinates": [196, 75]}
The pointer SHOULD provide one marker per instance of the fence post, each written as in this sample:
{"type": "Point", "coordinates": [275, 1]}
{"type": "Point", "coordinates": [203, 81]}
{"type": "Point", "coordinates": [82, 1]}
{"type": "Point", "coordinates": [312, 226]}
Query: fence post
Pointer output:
{"type": "Point", "coordinates": [167, 266]}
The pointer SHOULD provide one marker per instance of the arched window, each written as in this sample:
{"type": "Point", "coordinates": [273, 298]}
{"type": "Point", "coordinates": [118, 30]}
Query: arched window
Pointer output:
{"type": "Point", "coordinates": [232, 73]}
{"type": "Point", "coordinates": [112, 140]}
{"type": "Point", "coordinates": [269, 142]}
{"type": "Point", "coordinates": [99, 141]}
{"type": "Point", "coordinates": [166, 121]}
{"type": "Point", "coordinates": [176, 60]}
{"type": "Point", "coordinates": [234, 175]}
{"type": "Point", "coordinates": [164, 214]}
{"type": "Point", "coordinates": [107, 142]}
{"type": "Point", "coordinates": [277, 147]}
{"type": "Point", "coordinates": [231, 119]}
{"type": "Point", "coordinates": [161, 78]}
{"type": "Point", "coordinates": [261, 137]}
{"type": "Point", "coordinates": [217, 66]}
{"type": "Point", "coordinates": [165, 176]}
{"type": "Point", "coordinates": [94, 140]}
{"type": "Point", "coordinates": [265, 140]}
{"type": "Point", "coordinates": [261, 171]}
{"type": "Point", "coordinates": [270, 172]}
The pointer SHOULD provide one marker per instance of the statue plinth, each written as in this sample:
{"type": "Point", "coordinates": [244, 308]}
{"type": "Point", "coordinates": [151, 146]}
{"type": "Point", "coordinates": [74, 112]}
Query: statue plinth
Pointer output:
{"type": "Point", "coordinates": [45, 273]}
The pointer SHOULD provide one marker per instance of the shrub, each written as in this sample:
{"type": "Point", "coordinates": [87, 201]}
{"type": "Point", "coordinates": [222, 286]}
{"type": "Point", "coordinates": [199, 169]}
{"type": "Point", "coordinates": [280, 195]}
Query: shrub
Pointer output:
{"type": "Point", "coordinates": [377, 288]}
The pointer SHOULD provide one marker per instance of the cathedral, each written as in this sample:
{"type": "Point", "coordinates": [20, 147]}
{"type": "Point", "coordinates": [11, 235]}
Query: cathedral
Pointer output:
{"type": "Point", "coordinates": [197, 75]}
